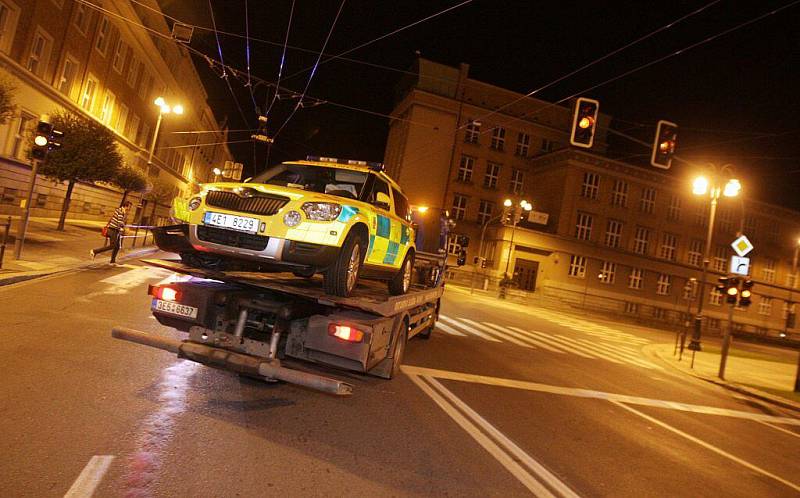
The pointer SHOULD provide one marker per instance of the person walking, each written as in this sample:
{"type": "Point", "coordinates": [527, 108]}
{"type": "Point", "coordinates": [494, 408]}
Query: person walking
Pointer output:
{"type": "Point", "coordinates": [116, 228]}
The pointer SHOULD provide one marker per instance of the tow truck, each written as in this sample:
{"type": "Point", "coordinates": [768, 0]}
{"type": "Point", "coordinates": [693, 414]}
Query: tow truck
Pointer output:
{"type": "Point", "coordinates": [258, 324]}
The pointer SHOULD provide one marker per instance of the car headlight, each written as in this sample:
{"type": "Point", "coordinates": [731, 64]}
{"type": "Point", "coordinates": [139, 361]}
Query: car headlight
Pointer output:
{"type": "Point", "coordinates": [292, 218]}
{"type": "Point", "coordinates": [321, 211]}
{"type": "Point", "coordinates": [194, 203]}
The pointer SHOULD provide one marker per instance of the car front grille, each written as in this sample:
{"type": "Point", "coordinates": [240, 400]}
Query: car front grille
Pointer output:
{"type": "Point", "coordinates": [232, 238]}
{"type": "Point", "coordinates": [262, 204]}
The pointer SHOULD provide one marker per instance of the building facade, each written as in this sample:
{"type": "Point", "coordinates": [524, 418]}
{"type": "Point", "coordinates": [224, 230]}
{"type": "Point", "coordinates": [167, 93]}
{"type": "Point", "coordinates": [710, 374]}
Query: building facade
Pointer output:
{"type": "Point", "coordinates": [107, 64]}
{"type": "Point", "coordinates": [603, 233]}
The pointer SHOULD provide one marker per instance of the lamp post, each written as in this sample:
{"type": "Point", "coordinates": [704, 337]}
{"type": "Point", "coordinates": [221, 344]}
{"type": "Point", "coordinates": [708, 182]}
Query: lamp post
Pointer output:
{"type": "Point", "coordinates": [714, 188]}
{"type": "Point", "coordinates": [163, 108]}
{"type": "Point", "coordinates": [515, 212]}
{"type": "Point", "coordinates": [506, 203]}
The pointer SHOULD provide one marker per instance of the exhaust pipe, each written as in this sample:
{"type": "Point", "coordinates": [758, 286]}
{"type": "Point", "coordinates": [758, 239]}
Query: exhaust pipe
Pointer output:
{"type": "Point", "coordinates": [232, 361]}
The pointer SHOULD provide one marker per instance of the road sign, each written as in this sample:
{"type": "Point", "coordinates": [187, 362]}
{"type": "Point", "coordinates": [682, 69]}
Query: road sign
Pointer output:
{"type": "Point", "coordinates": [740, 265]}
{"type": "Point", "coordinates": [742, 246]}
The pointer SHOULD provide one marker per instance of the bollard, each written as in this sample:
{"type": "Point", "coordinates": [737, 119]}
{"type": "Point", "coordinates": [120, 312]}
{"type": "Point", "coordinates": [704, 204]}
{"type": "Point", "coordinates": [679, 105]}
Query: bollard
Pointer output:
{"type": "Point", "coordinates": [5, 239]}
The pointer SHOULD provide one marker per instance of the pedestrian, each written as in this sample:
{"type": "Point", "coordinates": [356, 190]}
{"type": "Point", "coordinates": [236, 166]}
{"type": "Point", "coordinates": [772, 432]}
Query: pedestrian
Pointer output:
{"type": "Point", "coordinates": [115, 228]}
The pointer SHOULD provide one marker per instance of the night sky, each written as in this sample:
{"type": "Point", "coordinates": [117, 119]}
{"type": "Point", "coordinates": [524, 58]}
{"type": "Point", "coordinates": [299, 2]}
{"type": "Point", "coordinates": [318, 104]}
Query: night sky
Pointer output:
{"type": "Point", "coordinates": [734, 97]}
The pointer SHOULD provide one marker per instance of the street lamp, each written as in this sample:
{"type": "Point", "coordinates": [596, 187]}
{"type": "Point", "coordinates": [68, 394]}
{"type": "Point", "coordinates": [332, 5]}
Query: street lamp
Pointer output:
{"type": "Point", "coordinates": [163, 108]}
{"type": "Point", "coordinates": [516, 214]}
{"type": "Point", "coordinates": [714, 187]}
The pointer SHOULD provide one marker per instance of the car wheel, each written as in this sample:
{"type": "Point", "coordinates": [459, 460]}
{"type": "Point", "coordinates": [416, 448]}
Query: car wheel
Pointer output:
{"type": "Point", "coordinates": [400, 283]}
{"type": "Point", "coordinates": [303, 273]}
{"type": "Point", "coordinates": [399, 348]}
{"type": "Point", "coordinates": [342, 276]}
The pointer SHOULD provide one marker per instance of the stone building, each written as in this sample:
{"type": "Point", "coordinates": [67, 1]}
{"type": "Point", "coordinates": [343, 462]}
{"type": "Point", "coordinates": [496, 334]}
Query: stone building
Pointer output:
{"type": "Point", "coordinates": [108, 64]}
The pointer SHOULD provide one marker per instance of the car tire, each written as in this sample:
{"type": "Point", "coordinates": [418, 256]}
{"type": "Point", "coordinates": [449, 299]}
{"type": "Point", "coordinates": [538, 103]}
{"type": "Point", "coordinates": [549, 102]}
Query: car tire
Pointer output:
{"type": "Point", "coordinates": [399, 349]}
{"type": "Point", "coordinates": [427, 333]}
{"type": "Point", "coordinates": [342, 276]}
{"type": "Point", "coordinates": [401, 282]}
{"type": "Point", "coordinates": [303, 273]}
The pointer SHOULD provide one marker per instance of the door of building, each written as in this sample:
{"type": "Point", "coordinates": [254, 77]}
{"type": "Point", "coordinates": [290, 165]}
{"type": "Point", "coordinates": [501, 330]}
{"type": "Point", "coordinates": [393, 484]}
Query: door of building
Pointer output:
{"type": "Point", "coordinates": [525, 274]}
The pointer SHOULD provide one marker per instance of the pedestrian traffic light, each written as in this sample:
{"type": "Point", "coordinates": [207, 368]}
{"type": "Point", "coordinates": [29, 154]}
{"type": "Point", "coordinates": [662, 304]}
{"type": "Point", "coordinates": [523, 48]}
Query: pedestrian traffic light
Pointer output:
{"type": "Point", "coordinates": [45, 138]}
{"type": "Point", "coordinates": [584, 122]}
{"type": "Point", "coordinates": [664, 144]}
{"type": "Point", "coordinates": [746, 294]}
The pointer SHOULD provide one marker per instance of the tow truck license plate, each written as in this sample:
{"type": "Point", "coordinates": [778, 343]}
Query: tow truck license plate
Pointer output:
{"type": "Point", "coordinates": [240, 223]}
{"type": "Point", "coordinates": [174, 308]}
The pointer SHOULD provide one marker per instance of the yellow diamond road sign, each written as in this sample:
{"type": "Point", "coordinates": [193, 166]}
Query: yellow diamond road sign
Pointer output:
{"type": "Point", "coordinates": [742, 246]}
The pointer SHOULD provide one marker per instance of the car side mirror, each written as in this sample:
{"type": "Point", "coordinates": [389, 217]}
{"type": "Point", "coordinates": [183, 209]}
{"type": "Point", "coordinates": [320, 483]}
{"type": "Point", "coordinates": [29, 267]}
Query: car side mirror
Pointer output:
{"type": "Point", "coordinates": [382, 201]}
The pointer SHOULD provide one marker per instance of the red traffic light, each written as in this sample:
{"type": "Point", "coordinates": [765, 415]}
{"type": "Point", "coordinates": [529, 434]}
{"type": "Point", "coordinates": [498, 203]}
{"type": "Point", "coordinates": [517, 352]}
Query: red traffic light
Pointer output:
{"type": "Point", "coordinates": [664, 144]}
{"type": "Point", "coordinates": [584, 122]}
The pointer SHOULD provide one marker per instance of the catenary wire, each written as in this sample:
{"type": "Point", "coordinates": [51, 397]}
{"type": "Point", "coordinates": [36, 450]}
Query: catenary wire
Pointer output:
{"type": "Point", "coordinates": [283, 59]}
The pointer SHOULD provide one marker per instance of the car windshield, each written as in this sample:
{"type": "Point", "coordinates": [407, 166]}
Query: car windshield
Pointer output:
{"type": "Point", "coordinates": [333, 181]}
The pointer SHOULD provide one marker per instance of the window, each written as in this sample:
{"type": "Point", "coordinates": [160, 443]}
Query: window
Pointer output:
{"type": "Point", "coordinates": [459, 207]}
{"type": "Point", "coordinates": [713, 323]}
{"type": "Point", "coordinates": [119, 55]}
{"type": "Point", "coordinates": [631, 308]}
{"type": "Point", "coordinates": [133, 72]}
{"type": "Point", "coordinates": [720, 259]}
{"type": "Point", "coordinates": [523, 144]}
{"type": "Point", "coordinates": [122, 118]}
{"type": "Point", "coordinates": [619, 196]}
{"type": "Point", "coordinates": [700, 217]}
{"type": "Point", "coordinates": [82, 18]}
{"type": "Point", "coordinates": [547, 145]}
{"type": "Point", "coordinates": [648, 201]}
{"type": "Point", "coordinates": [695, 256]}
{"type": "Point", "coordinates": [103, 35]}
{"type": "Point", "coordinates": [492, 172]}
{"type": "Point", "coordinates": [640, 240]}
{"type": "Point", "coordinates": [107, 111]}
{"type": "Point", "coordinates": [68, 73]}
{"type": "Point", "coordinates": [41, 200]}
{"type": "Point", "coordinates": [145, 84]}
{"type": "Point", "coordinates": [674, 212]}
{"type": "Point", "coordinates": [608, 272]}
{"type": "Point", "coordinates": [773, 231]}
{"type": "Point", "coordinates": [690, 290]}
{"type": "Point", "coordinates": [87, 99]}
{"type": "Point", "coordinates": [485, 211]}
{"type": "Point", "coordinates": [750, 225]}
{"type": "Point", "coordinates": [401, 205]}
{"type": "Point", "coordinates": [583, 226]}
{"type": "Point", "coordinates": [473, 132]}
{"type": "Point", "coordinates": [39, 54]}
{"type": "Point", "coordinates": [725, 219]}
{"type": "Point", "coordinates": [498, 138]}
{"type": "Point", "coordinates": [791, 280]}
{"type": "Point", "coordinates": [577, 266]}
{"type": "Point", "coordinates": [454, 243]}
{"type": "Point", "coordinates": [24, 127]}
{"type": "Point", "coordinates": [668, 243]}
{"type": "Point", "coordinates": [613, 233]}
{"type": "Point", "coordinates": [715, 296]}
{"type": "Point", "coordinates": [9, 13]}
{"type": "Point", "coordinates": [465, 169]}
{"type": "Point", "coordinates": [635, 278]}
{"type": "Point", "coordinates": [787, 309]}
{"type": "Point", "coordinates": [768, 271]}
{"type": "Point", "coordinates": [663, 284]}
{"type": "Point", "coordinates": [144, 135]}
{"type": "Point", "coordinates": [590, 186]}
{"type": "Point", "coordinates": [517, 181]}
{"type": "Point", "coordinates": [659, 313]}
{"type": "Point", "coordinates": [765, 306]}
{"type": "Point", "coordinates": [132, 128]}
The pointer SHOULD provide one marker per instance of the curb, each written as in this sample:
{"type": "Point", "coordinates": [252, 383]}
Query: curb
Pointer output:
{"type": "Point", "coordinates": [25, 276]}
{"type": "Point", "coordinates": [732, 386]}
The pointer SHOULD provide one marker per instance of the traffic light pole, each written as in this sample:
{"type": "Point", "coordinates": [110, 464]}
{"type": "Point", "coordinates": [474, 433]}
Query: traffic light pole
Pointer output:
{"type": "Point", "coordinates": [22, 228]}
{"type": "Point", "coordinates": [480, 249]}
{"type": "Point", "coordinates": [726, 343]}
{"type": "Point", "coordinates": [694, 344]}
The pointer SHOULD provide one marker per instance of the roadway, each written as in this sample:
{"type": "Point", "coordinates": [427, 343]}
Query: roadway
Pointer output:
{"type": "Point", "coordinates": [503, 400]}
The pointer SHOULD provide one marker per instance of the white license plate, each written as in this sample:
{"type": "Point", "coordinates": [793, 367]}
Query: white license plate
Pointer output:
{"type": "Point", "coordinates": [174, 308]}
{"type": "Point", "coordinates": [240, 223]}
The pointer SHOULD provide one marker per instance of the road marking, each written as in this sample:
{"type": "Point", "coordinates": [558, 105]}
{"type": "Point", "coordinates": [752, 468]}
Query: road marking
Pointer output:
{"type": "Point", "coordinates": [449, 329]}
{"type": "Point", "coordinates": [588, 393]}
{"type": "Point", "coordinates": [522, 337]}
{"type": "Point", "coordinates": [709, 446]}
{"type": "Point", "coordinates": [787, 431]}
{"type": "Point", "coordinates": [496, 333]}
{"type": "Point", "coordinates": [468, 328]}
{"type": "Point", "coordinates": [90, 477]}
{"type": "Point", "coordinates": [559, 344]}
{"type": "Point", "coordinates": [622, 355]}
{"type": "Point", "coordinates": [538, 342]}
{"type": "Point", "coordinates": [522, 475]}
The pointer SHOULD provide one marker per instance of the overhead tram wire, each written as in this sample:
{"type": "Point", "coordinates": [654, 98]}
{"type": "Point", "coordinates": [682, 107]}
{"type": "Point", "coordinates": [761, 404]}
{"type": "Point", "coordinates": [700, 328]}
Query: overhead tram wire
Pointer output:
{"type": "Point", "coordinates": [313, 72]}
{"type": "Point", "coordinates": [384, 36]}
{"type": "Point", "coordinates": [283, 59]}
{"type": "Point", "coordinates": [224, 73]}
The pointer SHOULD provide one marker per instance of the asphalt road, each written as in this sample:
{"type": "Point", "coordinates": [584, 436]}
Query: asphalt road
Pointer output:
{"type": "Point", "coordinates": [503, 400]}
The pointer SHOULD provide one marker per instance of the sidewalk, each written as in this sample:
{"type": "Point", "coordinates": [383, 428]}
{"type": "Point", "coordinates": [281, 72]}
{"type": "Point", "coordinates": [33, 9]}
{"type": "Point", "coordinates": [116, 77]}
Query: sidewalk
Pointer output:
{"type": "Point", "coordinates": [745, 372]}
{"type": "Point", "coordinates": [47, 250]}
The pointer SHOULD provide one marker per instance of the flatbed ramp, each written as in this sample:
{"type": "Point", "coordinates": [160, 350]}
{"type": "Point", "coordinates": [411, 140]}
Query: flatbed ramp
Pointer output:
{"type": "Point", "coordinates": [368, 296]}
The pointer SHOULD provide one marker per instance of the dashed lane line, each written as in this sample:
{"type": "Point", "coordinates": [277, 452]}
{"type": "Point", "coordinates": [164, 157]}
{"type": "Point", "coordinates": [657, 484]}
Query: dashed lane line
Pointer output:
{"type": "Point", "coordinates": [90, 477]}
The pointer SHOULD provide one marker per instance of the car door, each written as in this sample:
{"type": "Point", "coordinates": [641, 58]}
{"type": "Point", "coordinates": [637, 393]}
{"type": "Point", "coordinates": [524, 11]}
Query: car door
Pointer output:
{"type": "Point", "coordinates": [381, 229]}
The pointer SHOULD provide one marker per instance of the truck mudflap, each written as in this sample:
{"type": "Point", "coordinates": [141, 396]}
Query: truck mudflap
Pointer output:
{"type": "Point", "coordinates": [235, 362]}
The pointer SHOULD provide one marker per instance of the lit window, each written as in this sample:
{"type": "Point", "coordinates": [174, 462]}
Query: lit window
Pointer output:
{"type": "Point", "coordinates": [583, 226]}
{"type": "Point", "coordinates": [768, 270]}
{"type": "Point", "coordinates": [107, 110]}
{"type": "Point", "coordinates": [465, 169]}
{"type": "Point", "coordinates": [454, 243]}
{"type": "Point", "coordinates": [640, 240]}
{"type": "Point", "coordinates": [635, 278]}
{"type": "Point", "coordinates": [577, 266]}
{"type": "Point", "coordinates": [590, 186]}
{"type": "Point", "coordinates": [721, 259]}
{"type": "Point", "coordinates": [695, 255]}
{"type": "Point", "coordinates": [613, 233]}
{"type": "Point", "coordinates": [765, 306]}
{"type": "Point", "coordinates": [715, 297]}
{"type": "Point", "coordinates": [608, 272]}
{"type": "Point", "coordinates": [473, 132]}
{"type": "Point", "coordinates": [122, 118]}
{"type": "Point", "coordinates": [87, 100]}
{"type": "Point", "coordinates": [663, 284]}
{"type": "Point", "coordinates": [668, 244]}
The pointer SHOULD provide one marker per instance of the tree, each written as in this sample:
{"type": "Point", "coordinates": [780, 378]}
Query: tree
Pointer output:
{"type": "Point", "coordinates": [130, 180]}
{"type": "Point", "coordinates": [161, 192]}
{"type": "Point", "coordinates": [88, 154]}
{"type": "Point", "coordinates": [7, 107]}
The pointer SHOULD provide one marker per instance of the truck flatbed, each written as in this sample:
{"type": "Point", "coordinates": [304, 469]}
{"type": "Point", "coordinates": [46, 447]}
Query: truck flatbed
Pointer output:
{"type": "Point", "coordinates": [369, 296]}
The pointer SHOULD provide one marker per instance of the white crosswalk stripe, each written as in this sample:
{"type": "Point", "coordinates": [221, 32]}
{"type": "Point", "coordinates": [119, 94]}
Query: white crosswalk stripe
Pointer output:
{"type": "Point", "coordinates": [609, 345]}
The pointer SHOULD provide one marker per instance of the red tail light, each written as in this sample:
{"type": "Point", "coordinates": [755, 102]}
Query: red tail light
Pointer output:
{"type": "Point", "coordinates": [165, 293]}
{"type": "Point", "coordinates": [345, 332]}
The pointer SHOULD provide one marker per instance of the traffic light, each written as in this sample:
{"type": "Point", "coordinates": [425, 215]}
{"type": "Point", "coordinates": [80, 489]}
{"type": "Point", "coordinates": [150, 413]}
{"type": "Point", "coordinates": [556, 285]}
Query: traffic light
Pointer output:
{"type": "Point", "coordinates": [584, 122]}
{"type": "Point", "coordinates": [746, 294]}
{"type": "Point", "coordinates": [508, 215]}
{"type": "Point", "coordinates": [664, 144]}
{"type": "Point", "coordinates": [45, 139]}
{"type": "Point", "coordinates": [722, 285]}
{"type": "Point", "coordinates": [484, 263]}
{"type": "Point", "coordinates": [462, 257]}
{"type": "Point", "coordinates": [733, 290]}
